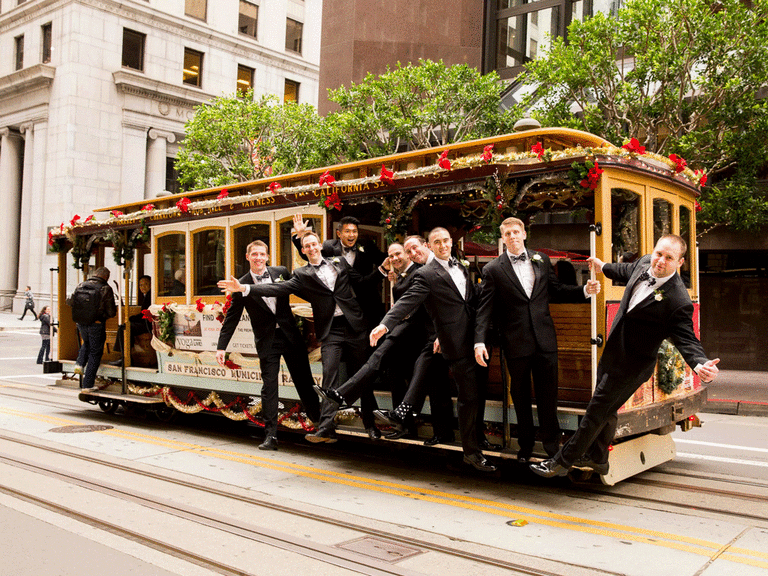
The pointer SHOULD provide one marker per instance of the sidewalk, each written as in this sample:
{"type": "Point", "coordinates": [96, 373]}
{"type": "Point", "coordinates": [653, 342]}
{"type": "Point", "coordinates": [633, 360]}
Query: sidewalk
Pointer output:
{"type": "Point", "coordinates": [736, 392]}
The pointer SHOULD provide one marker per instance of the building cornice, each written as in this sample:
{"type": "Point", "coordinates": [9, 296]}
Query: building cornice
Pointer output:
{"type": "Point", "coordinates": [26, 80]}
{"type": "Point", "coordinates": [136, 84]}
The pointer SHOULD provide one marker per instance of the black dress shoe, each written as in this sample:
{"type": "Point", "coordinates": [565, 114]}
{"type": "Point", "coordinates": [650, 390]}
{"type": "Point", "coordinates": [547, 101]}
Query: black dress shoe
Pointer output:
{"type": "Point", "coordinates": [331, 396]}
{"type": "Point", "coordinates": [270, 443]}
{"type": "Point", "coordinates": [388, 418]}
{"type": "Point", "coordinates": [373, 433]}
{"type": "Point", "coordinates": [435, 440]}
{"type": "Point", "coordinates": [397, 433]}
{"type": "Point", "coordinates": [118, 362]}
{"type": "Point", "coordinates": [524, 456]}
{"type": "Point", "coordinates": [586, 462]}
{"type": "Point", "coordinates": [478, 462]}
{"type": "Point", "coordinates": [549, 468]}
{"type": "Point", "coordinates": [485, 444]}
{"type": "Point", "coordinates": [322, 436]}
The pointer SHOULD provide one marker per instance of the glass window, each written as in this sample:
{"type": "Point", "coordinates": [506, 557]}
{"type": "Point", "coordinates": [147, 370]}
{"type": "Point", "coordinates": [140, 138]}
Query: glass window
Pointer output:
{"type": "Point", "coordinates": [288, 253]}
{"type": "Point", "coordinates": [46, 32]}
{"type": "Point", "coordinates": [249, 18]}
{"type": "Point", "coordinates": [519, 38]}
{"type": "Point", "coordinates": [293, 31]}
{"type": "Point", "coordinates": [685, 232]}
{"type": "Point", "coordinates": [244, 79]}
{"type": "Point", "coordinates": [625, 224]}
{"type": "Point", "coordinates": [244, 235]}
{"type": "Point", "coordinates": [195, 8]}
{"type": "Point", "coordinates": [133, 49]}
{"type": "Point", "coordinates": [171, 176]}
{"type": "Point", "coordinates": [291, 93]}
{"type": "Point", "coordinates": [18, 52]}
{"type": "Point", "coordinates": [662, 219]}
{"type": "Point", "coordinates": [171, 265]}
{"type": "Point", "coordinates": [208, 257]}
{"type": "Point", "coordinates": [193, 67]}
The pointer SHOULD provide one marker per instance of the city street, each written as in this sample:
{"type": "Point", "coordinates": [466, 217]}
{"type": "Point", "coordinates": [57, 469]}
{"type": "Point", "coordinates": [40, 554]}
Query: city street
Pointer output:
{"type": "Point", "coordinates": [129, 495]}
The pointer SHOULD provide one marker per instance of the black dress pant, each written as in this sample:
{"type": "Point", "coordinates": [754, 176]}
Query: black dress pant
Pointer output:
{"type": "Point", "coordinates": [471, 381]}
{"type": "Point", "coordinates": [542, 366]}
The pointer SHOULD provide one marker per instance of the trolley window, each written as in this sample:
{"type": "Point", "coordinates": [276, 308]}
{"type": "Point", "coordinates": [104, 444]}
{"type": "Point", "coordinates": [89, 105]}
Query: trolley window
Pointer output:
{"type": "Point", "coordinates": [662, 218]}
{"type": "Point", "coordinates": [685, 232]}
{"type": "Point", "coordinates": [242, 236]}
{"type": "Point", "coordinates": [208, 249]}
{"type": "Point", "coordinates": [287, 252]}
{"type": "Point", "coordinates": [625, 220]}
{"type": "Point", "coordinates": [171, 265]}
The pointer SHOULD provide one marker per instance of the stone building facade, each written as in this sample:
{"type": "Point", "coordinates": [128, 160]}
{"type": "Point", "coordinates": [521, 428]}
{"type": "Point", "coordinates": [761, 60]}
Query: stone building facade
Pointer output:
{"type": "Point", "coordinates": [94, 95]}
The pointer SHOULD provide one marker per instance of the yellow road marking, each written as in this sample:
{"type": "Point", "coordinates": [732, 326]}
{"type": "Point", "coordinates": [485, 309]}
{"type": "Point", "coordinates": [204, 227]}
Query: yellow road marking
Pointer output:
{"type": "Point", "coordinates": [697, 546]}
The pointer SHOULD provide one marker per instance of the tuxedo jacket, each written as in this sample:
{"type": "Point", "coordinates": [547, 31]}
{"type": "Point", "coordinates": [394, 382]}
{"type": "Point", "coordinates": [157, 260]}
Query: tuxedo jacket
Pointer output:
{"type": "Point", "coordinates": [367, 286]}
{"type": "Point", "coordinates": [636, 335]}
{"type": "Point", "coordinates": [263, 321]}
{"type": "Point", "coordinates": [306, 284]}
{"type": "Point", "coordinates": [452, 313]}
{"type": "Point", "coordinates": [524, 323]}
{"type": "Point", "coordinates": [417, 327]}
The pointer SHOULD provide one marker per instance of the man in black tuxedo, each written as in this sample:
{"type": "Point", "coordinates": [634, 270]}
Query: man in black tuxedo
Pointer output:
{"type": "Point", "coordinates": [276, 334]}
{"type": "Point", "coordinates": [365, 258]}
{"type": "Point", "coordinates": [655, 306]}
{"type": "Point", "coordinates": [445, 289]}
{"type": "Point", "coordinates": [327, 285]}
{"type": "Point", "coordinates": [516, 291]}
{"type": "Point", "coordinates": [403, 349]}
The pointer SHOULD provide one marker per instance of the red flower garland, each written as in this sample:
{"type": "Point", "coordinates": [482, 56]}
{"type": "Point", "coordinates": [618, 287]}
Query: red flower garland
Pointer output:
{"type": "Point", "coordinates": [387, 176]}
{"type": "Point", "coordinates": [75, 219]}
{"type": "Point", "coordinates": [223, 194]}
{"type": "Point", "coordinates": [147, 315]}
{"type": "Point", "coordinates": [200, 304]}
{"type": "Point", "coordinates": [538, 149]}
{"type": "Point", "coordinates": [593, 176]}
{"type": "Point", "coordinates": [488, 153]}
{"type": "Point", "coordinates": [680, 163]}
{"type": "Point", "coordinates": [274, 187]}
{"type": "Point", "coordinates": [116, 213]}
{"type": "Point", "coordinates": [327, 178]}
{"type": "Point", "coordinates": [443, 161]}
{"type": "Point", "coordinates": [148, 207]}
{"type": "Point", "coordinates": [634, 146]}
{"type": "Point", "coordinates": [183, 205]}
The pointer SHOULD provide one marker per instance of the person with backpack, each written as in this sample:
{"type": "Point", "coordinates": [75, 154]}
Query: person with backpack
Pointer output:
{"type": "Point", "coordinates": [29, 304]}
{"type": "Point", "coordinates": [92, 303]}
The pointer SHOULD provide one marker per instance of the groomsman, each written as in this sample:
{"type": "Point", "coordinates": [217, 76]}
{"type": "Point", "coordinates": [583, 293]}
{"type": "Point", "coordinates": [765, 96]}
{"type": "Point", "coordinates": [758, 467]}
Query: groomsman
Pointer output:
{"type": "Point", "coordinates": [326, 283]}
{"type": "Point", "coordinates": [655, 306]}
{"type": "Point", "coordinates": [276, 334]}
{"type": "Point", "coordinates": [445, 289]}
{"type": "Point", "coordinates": [516, 291]}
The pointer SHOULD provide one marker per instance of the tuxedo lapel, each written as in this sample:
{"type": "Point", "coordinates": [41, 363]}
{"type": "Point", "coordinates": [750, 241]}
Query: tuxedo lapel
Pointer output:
{"type": "Point", "coordinates": [259, 301]}
{"type": "Point", "coordinates": [506, 266]}
{"type": "Point", "coordinates": [312, 273]}
{"type": "Point", "coordinates": [442, 273]}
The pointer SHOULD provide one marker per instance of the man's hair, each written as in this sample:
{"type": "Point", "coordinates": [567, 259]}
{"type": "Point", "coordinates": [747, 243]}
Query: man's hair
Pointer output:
{"type": "Point", "coordinates": [437, 229]}
{"type": "Point", "coordinates": [102, 272]}
{"type": "Point", "coordinates": [349, 220]}
{"type": "Point", "coordinates": [307, 233]}
{"type": "Point", "coordinates": [394, 244]}
{"type": "Point", "coordinates": [256, 243]}
{"type": "Point", "coordinates": [679, 240]}
{"type": "Point", "coordinates": [143, 276]}
{"type": "Point", "coordinates": [511, 221]}
{"type": "Point", "coordinates": [416, 237]}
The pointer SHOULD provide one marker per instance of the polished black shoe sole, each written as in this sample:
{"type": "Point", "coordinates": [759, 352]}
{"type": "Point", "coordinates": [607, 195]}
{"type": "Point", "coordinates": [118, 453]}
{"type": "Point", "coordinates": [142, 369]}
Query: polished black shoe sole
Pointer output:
{"type": "Point", "coordinates": [326, 398]}
{"type": "Point", "coordinates": [585, 463]}
{"type": "Point", "coordinates": [480, 465]}
{"type": "Point", "coordinates": [548, 469]}
{"type": "Point", "coordinates": [269, 444]}
{"type": "Point", "coordinates": [384, 417]}
{"type": "Point", "coordinates": [320, 439]}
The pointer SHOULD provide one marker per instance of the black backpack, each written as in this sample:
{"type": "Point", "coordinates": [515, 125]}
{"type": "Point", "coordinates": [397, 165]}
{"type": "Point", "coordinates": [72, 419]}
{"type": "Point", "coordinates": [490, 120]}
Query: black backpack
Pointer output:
{"type": "Point", "coordinates": [86, 302]}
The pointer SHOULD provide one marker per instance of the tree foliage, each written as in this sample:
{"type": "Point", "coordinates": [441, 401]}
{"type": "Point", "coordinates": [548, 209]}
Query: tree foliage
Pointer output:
{"type": "Point", "coordinates": [681, 77]}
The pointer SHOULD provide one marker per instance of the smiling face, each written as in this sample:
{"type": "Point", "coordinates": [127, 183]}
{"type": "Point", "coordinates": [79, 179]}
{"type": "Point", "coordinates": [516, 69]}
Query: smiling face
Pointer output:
{"type": "Point", "coordinates": [418, 252]}
{"type": "Point", "coordinates": [514, 237]}
{"type": "Point", "coordinates": [257, 258]}
{"type": "Point", "coordinates": [440, 243]}
{"type": "Point", "coordinates": [311, 248]}
{"type": "Point", "coordinates": [398, 257]}
{"type": "Point", "coordinates": [666, 258]}
{"type": "Point", "coordinates": [348, 235]}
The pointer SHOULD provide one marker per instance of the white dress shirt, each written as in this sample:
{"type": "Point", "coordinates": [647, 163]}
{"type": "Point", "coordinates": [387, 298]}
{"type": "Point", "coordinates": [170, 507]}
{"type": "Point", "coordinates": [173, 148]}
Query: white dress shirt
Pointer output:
{"type": "Point", "coordinates": [457, 276]}
{"type": "Point", "coordinates": [328, 275]}
{"type": "Point", "coordinates": [643, 289]}
{"type": "Point", "coordinates": [524, 272]}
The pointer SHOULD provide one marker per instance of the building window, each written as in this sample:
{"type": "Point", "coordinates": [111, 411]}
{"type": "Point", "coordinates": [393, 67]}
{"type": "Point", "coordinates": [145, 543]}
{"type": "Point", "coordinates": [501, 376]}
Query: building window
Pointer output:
{"type": "Point", "coordinates": [171, 176]}
{"type": "Point", "coordinates": [196, 8]}
{"type": "Point", "coordinates": [244, 79]}
{"type": "Point", "coordinates": [193, 67]}
{"type": "Point", "coordinates": [291, 93]}
{"type": "Point", "coordinates": [19, 52]}
{"type": "Point", "coordinates": [293, 31]}
{"type": "Point", "coordinates": [249, 17]}
{"type": "Point", "coordinates": [133, 49]}
{"type": "Point", "coordinates": [47, 42]}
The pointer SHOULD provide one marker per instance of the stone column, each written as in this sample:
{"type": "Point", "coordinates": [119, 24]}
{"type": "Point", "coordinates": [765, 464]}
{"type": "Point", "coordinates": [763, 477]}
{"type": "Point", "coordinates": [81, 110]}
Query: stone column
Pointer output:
{"type": "Point", "coordinates": [10, 201]}
{"type": "Point", "coordinates": [157, 151]}
{"type": "Point", "coordinates": [27, 208]}
{"type": "Point", "coordinates": [134, 163]}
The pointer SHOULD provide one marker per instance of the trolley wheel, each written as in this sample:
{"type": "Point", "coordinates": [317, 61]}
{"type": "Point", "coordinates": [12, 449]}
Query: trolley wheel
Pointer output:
{"type": "Point", "coordinates": [165, 413]}
{"type": "Point", "coordinates": [108, 405]}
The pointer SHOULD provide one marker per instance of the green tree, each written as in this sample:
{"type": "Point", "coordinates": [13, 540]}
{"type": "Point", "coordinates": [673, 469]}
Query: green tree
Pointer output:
{"type": "Point", "coordinates": [681, 77]}
{"type": "Point", "coordinates": [418, 106]}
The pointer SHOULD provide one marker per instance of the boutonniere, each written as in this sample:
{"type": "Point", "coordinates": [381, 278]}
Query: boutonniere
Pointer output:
{"type": "Point", "coordinates": [464, 263]}
{"type": "Point", "coordinates": [280, 278]}
{"type": "Point", "coordinates": [536, 258]}
{"type": "Point", "coordinates": [360, 248]}
{"type": "Point", "coordinates": [335, 260]}
{"type": "Point", "coordinates": [658, 295]}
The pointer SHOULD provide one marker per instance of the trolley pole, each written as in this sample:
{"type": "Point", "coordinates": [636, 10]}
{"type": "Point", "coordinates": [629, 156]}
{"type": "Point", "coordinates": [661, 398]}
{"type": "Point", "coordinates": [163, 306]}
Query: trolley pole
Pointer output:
{"type": "Point", "coordinates": [594, 231]}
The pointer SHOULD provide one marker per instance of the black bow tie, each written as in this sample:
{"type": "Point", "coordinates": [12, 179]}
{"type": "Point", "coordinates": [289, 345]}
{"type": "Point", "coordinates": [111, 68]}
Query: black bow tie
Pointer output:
{"type": "Point", "coordinates": [348, 249]}
{"type": "Point", "coordinates": [645, 276]}
{"type": "Point", "coordinates": [261, 277]}
{"type": "Point", "coordinates": [452, 262]}
{"type": "Point", "coordinates": [521, 258]}
{"type": "Point", "coordinates": [316, 266]}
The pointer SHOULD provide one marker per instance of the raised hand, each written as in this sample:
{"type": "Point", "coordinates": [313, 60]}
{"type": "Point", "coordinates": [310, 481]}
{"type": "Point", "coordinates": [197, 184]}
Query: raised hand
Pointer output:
{"type": "Point", "coordinates": [231, 285]}
{"type": "Point", "coordinates": [298, 224]}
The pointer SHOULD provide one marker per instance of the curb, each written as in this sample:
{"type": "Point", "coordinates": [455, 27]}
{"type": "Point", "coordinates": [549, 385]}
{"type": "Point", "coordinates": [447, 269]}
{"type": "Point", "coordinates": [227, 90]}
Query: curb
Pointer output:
{"type": "Point", "coordinates": [736, 408]}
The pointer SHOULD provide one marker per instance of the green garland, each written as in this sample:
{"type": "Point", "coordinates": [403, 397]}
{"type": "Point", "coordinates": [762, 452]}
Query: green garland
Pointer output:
{"type": "Point", "coordinates": [167, 333]}
{"type": "Point", "coordinates": [122, 249]}
{"type": "Point", "coordinates": [82, 248]}
{"type": "Point", "coordinates": [671, 368]}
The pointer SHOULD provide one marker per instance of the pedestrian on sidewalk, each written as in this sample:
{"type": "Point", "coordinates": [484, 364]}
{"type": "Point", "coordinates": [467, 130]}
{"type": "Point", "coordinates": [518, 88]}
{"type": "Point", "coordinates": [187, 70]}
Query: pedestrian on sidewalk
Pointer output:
{"type": "Point", "coordinates": [29, 304]}
{"type": "Point", "coordinates": [45, 334]}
